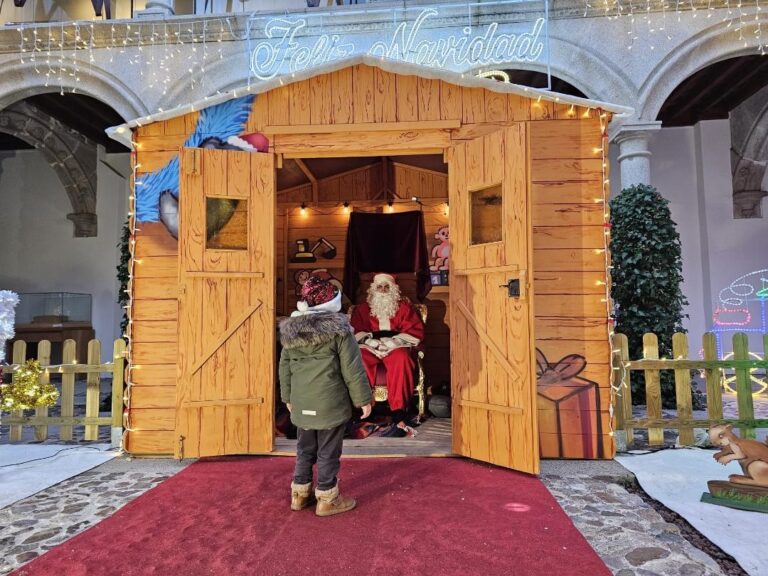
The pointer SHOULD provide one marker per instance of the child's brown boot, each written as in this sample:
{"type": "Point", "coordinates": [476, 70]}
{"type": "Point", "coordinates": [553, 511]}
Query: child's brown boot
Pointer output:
{"type": "Point", "coordinates": [330, 502]}
{"type": "Point", "coordinates": [301, 496]}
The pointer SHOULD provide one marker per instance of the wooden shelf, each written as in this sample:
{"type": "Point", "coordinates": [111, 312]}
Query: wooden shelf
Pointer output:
{"type": "Point", "coordinates": [317, 264]}
{"type": "Point", "coordinates": [440, 290]}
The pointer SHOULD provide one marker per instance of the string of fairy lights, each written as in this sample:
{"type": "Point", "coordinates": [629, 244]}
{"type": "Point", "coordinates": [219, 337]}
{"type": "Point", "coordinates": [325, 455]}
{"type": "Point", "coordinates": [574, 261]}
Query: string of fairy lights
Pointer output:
{"type": "Point", "coordinates": [132, 263]}
{"type": "Point", "coordinates": [161, 50]}
{"type": "Point", "coordinates": [651, 17]}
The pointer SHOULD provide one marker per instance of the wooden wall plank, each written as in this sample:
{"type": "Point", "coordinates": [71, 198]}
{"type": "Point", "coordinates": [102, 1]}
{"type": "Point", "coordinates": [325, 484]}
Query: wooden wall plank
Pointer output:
{"type": "Point", "coordinates": [560, 170]}
{"type": "Point", "coordinates": [154, 310]}
{"type": "Point", "coordinates": [450, 101]}
{"type": "Point", "coordinates": [363, 94]}
{"type": "Point", "coordinates": [562, 192]}
{"type": "Point", "coordinates": [385, 99]}
{"type": "Point", "coordinates": [150, 442]}
{"type": "Point", "coordinates": [153, 397]}
{"type": "Point", "coordinates": [429, 99]}
{"type": "Point", "coordinates": [407, 98]}
{"type": "Point", "coordinates": [566, 139]}
{"type": "Point", "coordinates": [571, 260]}
{"type": "Point", "coordinates": [321, 102]}
{"type": "Point", "coordinates": [495, 107]}
{"type": "Point", "coordinates": [343, 107]}
{"type": "Point", "coordinates": [568, 237]}
{"type": "Point", "coordinates": [279, 106]}
{"type": "Point", "coordinates": [299, 97]}
{"type": "Point", "coordinates": [154, 375]}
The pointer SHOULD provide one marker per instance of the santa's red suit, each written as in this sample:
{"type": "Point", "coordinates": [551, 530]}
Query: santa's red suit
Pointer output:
{"type": "Point", "coordinates": [399, 362]}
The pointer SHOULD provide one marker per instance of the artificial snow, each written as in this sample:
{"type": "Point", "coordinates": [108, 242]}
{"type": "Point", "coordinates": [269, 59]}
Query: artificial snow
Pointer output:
{"type": "Point", "coordinates": [27, 469]}
{"type": "Point", "coordinates": [677, 479]}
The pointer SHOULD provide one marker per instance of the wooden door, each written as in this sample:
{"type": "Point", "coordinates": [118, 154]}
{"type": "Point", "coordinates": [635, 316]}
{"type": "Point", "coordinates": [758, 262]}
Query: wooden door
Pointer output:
{"type": "Point", "coordinates": [226, 362]}
{"type": "Point", "coordinates": [492, 352]}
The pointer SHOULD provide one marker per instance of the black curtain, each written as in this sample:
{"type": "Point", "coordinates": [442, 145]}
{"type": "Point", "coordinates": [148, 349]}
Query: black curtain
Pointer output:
{"type": "Point", "coordinates": [392, 243]}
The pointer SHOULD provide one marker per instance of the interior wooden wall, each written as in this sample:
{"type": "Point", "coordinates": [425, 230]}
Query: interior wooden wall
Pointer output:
{"type": "Point", "coordinates": [566, 176]}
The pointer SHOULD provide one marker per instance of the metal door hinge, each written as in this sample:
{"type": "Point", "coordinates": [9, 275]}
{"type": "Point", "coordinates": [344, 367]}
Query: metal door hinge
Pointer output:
{"type": "Point", "coordinates": [181, 447]}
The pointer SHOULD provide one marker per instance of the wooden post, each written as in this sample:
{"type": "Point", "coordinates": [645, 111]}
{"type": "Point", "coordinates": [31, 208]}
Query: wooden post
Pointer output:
{"type": "Point", "coordinates": [118, 375]}
{"type": "Point", "coordinates": [714, 390]}
{"type": "Point", "coordinates": [683, 388]}
{"type": "Point", "coordinates": [626, 390]}
{"type": "Point", "coordinates": [44, 357]}
{"type": "Point", "coordinates": [69, 356]}
{"type": "Point", "coordinates": [743, 384]}
{"type": "Point", "coordinates": [19, 357]}
{"type": "Point", "coordinates": [92, 390]}
{"type": "Point", "coordinates": [653, 389]}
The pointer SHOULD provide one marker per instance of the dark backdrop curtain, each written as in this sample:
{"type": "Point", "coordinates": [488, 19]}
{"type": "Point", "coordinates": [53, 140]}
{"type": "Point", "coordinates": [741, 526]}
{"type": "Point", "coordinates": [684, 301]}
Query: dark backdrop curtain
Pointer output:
{"type": "Point", "coordinates": [393, 243]}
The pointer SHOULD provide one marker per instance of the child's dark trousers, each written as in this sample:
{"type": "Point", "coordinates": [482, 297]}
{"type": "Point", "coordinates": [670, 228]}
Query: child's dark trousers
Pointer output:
{"type": "Point", "coordinates": [322, 447]}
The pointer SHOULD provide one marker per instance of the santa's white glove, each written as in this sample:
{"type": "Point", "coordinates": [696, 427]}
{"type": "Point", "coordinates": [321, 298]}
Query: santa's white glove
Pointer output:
{"type": "Point", "coordinates": [373, 343]}
{"type": "Point", "coordinates": [389, 343]}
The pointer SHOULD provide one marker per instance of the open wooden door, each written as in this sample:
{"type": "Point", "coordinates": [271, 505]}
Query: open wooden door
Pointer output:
{"type": "Point", "coordinates": [492, 368]}
{"type": "Point", "coordinates": [226, 362]}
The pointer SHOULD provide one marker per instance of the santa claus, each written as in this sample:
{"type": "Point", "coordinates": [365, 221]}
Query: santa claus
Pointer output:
{"type": "Point", "coordinates": [387, 327]}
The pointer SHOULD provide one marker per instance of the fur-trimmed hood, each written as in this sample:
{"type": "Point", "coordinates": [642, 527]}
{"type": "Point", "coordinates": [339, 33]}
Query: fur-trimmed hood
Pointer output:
{"type": "Point", "coordinates": [313, 329]}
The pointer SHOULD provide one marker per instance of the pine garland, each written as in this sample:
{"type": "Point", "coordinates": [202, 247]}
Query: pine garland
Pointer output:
{"type": "Point", "coordinates": [26, 391]}
{"type": "Point", "coordinates": [123, 275]}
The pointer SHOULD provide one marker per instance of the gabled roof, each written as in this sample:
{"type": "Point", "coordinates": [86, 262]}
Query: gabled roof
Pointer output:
{"type": "Point", "coordinates": [122, 133]}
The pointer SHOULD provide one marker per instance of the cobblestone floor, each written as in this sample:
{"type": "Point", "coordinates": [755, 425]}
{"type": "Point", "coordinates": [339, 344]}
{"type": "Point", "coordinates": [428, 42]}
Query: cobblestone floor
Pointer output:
{"type": "Point", "coordinates": [36, 524]}
{"type": "Point", "coordinates": [630, 536]}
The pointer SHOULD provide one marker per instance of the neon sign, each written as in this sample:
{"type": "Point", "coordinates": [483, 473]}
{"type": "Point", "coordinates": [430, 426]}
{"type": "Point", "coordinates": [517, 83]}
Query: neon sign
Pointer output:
{"type": "Point", "coordinates": [288, 46]}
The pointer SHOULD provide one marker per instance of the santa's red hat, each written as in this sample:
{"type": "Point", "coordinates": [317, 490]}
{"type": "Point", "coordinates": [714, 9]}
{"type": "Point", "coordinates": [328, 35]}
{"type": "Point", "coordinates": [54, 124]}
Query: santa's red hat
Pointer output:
{"type": "Point", "coordinates": [252, 142]}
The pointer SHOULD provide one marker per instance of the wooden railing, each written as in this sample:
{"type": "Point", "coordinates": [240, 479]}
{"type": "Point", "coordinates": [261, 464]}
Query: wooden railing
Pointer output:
{"type": "Point", "coordinates": [69, 368]}
{"type": "Point", "coordinates": [651, 365]}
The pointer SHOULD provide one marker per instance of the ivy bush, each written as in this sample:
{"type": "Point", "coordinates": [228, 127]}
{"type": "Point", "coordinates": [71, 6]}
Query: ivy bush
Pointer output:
{"type": "Point", "coordinates": [647, 273]}
{"type": "Point", "coordinates": [123, 273]}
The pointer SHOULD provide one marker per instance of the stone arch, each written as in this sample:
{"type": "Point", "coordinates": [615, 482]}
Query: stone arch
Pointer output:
{"type": "Point", "coordinates": [72, 157]}
{"type": "Point", "coordinates": [698, 51]}
{"type": "Point", "coordinates": [18, 81]}
{"type": "Point", "coordinates": [597, 78]}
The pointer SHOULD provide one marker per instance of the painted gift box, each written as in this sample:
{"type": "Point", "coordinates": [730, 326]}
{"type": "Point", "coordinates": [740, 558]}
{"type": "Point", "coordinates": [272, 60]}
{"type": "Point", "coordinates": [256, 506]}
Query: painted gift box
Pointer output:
{"type": "Point", "coordinates": [570, 422]}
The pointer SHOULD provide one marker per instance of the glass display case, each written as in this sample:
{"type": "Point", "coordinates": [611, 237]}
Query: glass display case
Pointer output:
{"type": "Point", "coordinates": [53, 308]}
{"type": "Point", "coordinates": [56, 317]}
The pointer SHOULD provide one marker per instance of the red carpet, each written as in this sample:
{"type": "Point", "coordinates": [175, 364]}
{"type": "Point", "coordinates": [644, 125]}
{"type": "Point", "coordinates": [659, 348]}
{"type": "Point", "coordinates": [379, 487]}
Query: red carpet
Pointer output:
{"type": "Point", "coordinates": [415, 516]}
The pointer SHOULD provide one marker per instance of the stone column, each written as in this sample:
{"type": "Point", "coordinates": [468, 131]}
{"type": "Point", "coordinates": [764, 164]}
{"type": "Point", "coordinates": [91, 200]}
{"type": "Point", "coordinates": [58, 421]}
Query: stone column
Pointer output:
{"type": "Point", "coordinates": [634, 156]}
{"type": "Point", "coordinates": [156, 9]}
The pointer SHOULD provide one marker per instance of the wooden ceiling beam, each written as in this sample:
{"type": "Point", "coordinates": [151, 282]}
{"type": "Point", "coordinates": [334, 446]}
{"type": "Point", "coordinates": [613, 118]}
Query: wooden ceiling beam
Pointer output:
{"type": "Point", "coordinates": [308, 173]}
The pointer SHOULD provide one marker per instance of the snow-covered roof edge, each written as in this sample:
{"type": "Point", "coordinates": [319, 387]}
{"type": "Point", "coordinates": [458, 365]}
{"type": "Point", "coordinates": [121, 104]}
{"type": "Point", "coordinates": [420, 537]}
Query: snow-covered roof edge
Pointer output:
{"type": "Point", "coordinates": [122, 133]}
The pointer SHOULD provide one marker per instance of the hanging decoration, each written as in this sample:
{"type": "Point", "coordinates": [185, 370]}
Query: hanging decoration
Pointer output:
{"type": "Point", "coordinates": [652, 19]}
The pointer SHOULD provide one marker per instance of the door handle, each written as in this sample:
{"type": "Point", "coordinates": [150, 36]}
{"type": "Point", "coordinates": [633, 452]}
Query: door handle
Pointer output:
{"type": "Point", "coordinates": [517, 287]}
{"type": "Point", "coordinates": [513, 287]}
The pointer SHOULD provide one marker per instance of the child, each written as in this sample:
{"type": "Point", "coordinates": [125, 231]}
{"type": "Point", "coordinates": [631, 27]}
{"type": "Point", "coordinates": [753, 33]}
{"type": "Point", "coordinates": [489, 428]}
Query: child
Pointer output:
{"type": "Point", "coordinates": [321, 377]}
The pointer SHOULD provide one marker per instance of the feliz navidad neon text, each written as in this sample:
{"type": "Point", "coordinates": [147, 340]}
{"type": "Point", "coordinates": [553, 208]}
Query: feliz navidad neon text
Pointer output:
{"type": "Point", "coordinates": [407, 44]}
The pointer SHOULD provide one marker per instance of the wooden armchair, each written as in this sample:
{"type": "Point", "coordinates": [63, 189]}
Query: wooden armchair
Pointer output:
{"type": "Point", "coordinates": [380, 385]}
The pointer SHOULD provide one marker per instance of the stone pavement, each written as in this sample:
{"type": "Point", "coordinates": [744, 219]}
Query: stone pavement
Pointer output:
{"type": "Point", "coordinates": [626, 532]}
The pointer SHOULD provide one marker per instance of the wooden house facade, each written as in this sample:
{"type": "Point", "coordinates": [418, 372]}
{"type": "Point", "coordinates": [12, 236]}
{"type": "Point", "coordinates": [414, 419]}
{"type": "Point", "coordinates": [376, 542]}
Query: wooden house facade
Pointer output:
{"type": "Point", "coordinates": [520, 331]}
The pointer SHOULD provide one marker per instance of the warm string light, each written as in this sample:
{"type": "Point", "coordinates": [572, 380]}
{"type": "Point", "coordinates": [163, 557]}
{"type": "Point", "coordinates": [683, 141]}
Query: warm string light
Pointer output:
{"type": "Point", "coordinates": [132, 263]}
{"type": "Point", "coordinates": [616, 388]}
{"type": "Point", "coordinates": [639, 16]}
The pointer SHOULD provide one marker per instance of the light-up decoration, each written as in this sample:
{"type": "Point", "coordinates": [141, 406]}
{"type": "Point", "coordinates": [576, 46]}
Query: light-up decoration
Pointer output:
{"type": "Point", "coordinates": [728, 378]}
{"type": "Point", "coordinates": [742, 307]}
{"type": "Point", "coordinates": [417, 37]}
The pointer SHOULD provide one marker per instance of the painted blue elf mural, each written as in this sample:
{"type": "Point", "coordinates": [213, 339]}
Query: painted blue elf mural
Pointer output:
{"type": "Point", "coordinates": [219, 127]}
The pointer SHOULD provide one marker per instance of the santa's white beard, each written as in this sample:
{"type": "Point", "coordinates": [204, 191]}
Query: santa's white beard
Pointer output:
{"type": "Point", "coordinates": [384, 305]}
